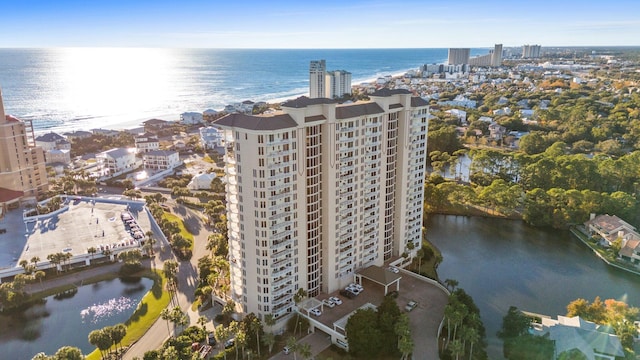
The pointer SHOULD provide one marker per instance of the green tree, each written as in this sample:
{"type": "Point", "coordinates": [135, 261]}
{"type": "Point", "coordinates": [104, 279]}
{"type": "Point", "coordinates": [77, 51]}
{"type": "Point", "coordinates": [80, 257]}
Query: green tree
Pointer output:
{"type": "Point", "coordinates": [68, 353]}
{"type": "Point", "coordinates": [363, 335]}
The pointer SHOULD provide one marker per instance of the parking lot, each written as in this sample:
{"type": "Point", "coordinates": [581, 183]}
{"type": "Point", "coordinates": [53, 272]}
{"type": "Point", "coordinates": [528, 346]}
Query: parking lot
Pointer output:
{"type": "Point", "coordinates": [424, 318]}
{"type": "Point", "coordinates": [86, 224]}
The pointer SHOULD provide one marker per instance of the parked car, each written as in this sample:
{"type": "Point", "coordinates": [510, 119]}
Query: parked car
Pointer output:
{"type": "Point", "coordinates": [411, 305]}
{"type": "Point", "coordinates": [328, 302]}
{"type": "Point", "coordinates": [336, 300]}
{"type": "Point", "coordinates": [315, 311]}
{"type": "Point", "coordinates": [393, 269]}
{"type": "Point", "coordinates": [354, 289]}
{"type": "Point", "coordinates": [212, 339]}
{"type": "Point", "coordinates": [286, 350]}
{"type": "Point", "coordinates": [229, 343]}
{"type": "Point", "coordinates": [348, 294]}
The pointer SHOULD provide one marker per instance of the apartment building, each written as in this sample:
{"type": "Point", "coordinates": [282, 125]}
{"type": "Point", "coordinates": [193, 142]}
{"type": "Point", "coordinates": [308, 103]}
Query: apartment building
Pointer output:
{"type": "Point", "coordinates": [320, 190]}
{"type": "Point", "coordinates": [531, 51]}
{"type": "Point", "coordinates": [317, 74]}
{"type": "Point", "coordinates": [22, 165]}
{"type": "Point", "coordinates": [338, 83]}
{"type": "Point", "coordinates": [458, 56]}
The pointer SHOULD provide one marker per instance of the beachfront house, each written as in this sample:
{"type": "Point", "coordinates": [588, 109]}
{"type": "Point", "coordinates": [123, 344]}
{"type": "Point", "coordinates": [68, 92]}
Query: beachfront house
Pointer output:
{"type": "Point", "coordinates": [146, 142]}
{"type": "Point", "coordinates": [211, 137]}
{"type": "Point", "coordinates": [608, 228]}
{"type": "Point", "coordinates": [576, 334]}
{"type": "Point", "coordinates": [57, 150]}
{"type": "Point", "coordinates": [161, 160]}
{"type": "Point", "coordinates": [116, 161]}
{"type": "Point", "coordinates": [191, 118]}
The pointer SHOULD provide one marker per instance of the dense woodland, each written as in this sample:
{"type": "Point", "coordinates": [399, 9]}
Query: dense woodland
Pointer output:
{"type": "Point", "coordinates": [580, 156]}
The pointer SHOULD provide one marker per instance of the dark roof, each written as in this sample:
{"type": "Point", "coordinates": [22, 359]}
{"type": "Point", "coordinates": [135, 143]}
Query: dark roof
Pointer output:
{"type": "Point", "coordinates": [380, 275]}
{"type": "Point", "coordinates": [250, 122]}
{"type": "Point", "coordinates": [388, 92]}
{"type": "Point", "coordinates": [314, 118]}
{"type": "Point", "coordinates": [50, 137]}
{"type": "Point", "coordinates": [304, 101]}
{"type": "Point", "coordinates": [117, 152]}
{"type": "Point", "coordinates": [160, 153]}
{"type": "Point", "coordinates": [395, 106]}
{"type": "Point", "coordinates": [7, 195]}
{"type": "Point", "coordinates": [155, 122]}
{"type": "Point", "coordinates": [417, 101]}
{"type": "Point", "coordinates": [350, 111]}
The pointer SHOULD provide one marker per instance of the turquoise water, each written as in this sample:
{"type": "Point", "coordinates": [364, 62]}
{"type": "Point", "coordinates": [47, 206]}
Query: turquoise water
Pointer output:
{"type": "Point", "coordinates": [68, 320]}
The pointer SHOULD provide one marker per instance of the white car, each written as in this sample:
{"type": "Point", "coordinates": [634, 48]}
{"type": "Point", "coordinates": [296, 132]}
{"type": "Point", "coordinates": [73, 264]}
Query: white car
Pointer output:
{"type": "Point", "coordinates": [394, 269]}
{"type": "Point", "coordinates": [328, 302]}
{"type": "Point", "coordinates": [315, 311]}
{"type": "Point", "coordinates": [336, 300]}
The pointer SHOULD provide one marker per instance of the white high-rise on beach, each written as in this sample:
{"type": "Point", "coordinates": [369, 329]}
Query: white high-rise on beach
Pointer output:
{"type": "Point", "coordinates": [458, 56]}
{"type": "Point", "coordinates": [531, 51]}
{"type": "Point", "coordinates": [320, 190]}
{"type": "Point", "coordinates": [317, 75]}
{"type": "Point", "coordinates": [338, 83]}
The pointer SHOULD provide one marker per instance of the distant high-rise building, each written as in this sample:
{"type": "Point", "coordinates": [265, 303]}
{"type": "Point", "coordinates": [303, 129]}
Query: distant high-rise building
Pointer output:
{"type": "Point", "coordinates": [22, 165]}
{"type": "Point", "coordinates": [496, 57]}
{"type": "Point", "coordinates": [458, 56]}
{"type": "Point", "coordinates": [531, 51]}
{"type": "Point", "coordinates": [319, 191]}
{"type": "Point", "coordinates": [317, 78]}
{"type": "Point", "coordinates": [338, 83]}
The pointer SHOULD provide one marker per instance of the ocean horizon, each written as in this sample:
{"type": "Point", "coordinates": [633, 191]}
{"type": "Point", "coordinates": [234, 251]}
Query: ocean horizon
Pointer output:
{"type": "Point", "coordinates": [65, 89]}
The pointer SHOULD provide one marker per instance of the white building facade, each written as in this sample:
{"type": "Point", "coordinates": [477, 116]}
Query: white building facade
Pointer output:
{"type": "Point", "coordinates": [317, 75]}
{"type": "Point", "coordinates": [320, 190]}
{"type": "Point", "coordinates": [117, 161]}
{"type": "Point", "coordinates": [338, 83]}
{"type": "Point", "coordinates": [161, 160]}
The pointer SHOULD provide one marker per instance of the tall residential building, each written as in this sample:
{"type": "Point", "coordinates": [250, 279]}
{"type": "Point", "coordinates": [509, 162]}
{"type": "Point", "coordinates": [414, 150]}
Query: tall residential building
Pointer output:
{"type": "Point", "coordinates": [496, 56]}
{"type": "Point", "coordinates": [320, 190]}
{"type": "Point", "coordinates": [531, 51]}
{"type": "Point", "coordinates": [458, 56]}
{"type": "Point", "coordinates": [317, 75]}
{"type": "Point", "coordinates": [22, 165]}
{"type": "Point", "coordinates": [338, 83]}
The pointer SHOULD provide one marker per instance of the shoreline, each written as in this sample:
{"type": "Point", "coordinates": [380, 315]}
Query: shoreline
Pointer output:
{"type": "Point", "coordinates": [121, 123]}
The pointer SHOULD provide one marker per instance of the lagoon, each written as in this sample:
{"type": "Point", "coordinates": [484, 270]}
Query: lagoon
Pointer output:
{"type": "Point", "coordinates": [68, 319]}
{"type": "Point", "coordinates": [505, 262]}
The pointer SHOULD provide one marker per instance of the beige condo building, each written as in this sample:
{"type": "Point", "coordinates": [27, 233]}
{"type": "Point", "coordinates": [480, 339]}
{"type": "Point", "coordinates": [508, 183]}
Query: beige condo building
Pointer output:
{"type": "Point", "coordinates": [320, 190]}
{"type": "Point", "coordinates": [22, 166]}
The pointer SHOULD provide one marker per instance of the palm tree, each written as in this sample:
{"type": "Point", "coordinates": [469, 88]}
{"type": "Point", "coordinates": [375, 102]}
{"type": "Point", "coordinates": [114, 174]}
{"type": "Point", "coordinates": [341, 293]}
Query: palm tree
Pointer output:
{"type": "Point", "coordinates": [39, 275]}
{"type": "Point", "coordinates": [456, 348]}
{"type": "Point", "coordinates": [241, 341]}
{"type": "Point", "coordinates": [118, 332]}
{"type": "Point", "coordinates": [451, 284]}
{"type": "Point", "coordinates": [420, 256]}
{"type": "Point", "coordinates": [222, 334]}
{"type": "Point", "coordinates": [165, 314]}
{"type": "Point", "coordinates": [297, 298]}
{"type": "Point", "coordinates": [293, 346]}
{"type": "Point", "coordinates": [202, 321]}
{"type": "Point", "coordinates": [305, 351]}
{"type": "Point", "coordinates": [255, 326]}
{"type": "Point", "coordinates": [54, 259]}
{"type": "Point", "coordinates": [35, 260]}
{"type": "Point", "coordinates": [269, 339]}
{"type": "Point", "coordinates": [92, 251]}
{"type": "Point", "coordinates": [471, 335]}
{"type": "Point", "coordinates": [458, 316]}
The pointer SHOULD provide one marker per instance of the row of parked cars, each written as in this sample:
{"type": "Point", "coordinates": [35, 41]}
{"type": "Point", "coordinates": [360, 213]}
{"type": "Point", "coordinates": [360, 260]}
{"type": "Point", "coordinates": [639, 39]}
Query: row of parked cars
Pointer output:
{"type": "Point", "coordinates": [352, 290]}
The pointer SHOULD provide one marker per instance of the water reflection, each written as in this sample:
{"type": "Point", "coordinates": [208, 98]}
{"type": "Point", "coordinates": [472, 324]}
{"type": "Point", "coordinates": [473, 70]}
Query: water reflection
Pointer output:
{"type": "Point", "coordinates": [69, 317]}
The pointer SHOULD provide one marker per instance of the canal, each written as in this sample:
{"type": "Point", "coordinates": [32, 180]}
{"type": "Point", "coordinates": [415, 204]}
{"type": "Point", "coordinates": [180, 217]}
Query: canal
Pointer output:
{"type": "Point", "coordinates": [67, 319]}
{"type": "Point", "coordinates": [501, 263]}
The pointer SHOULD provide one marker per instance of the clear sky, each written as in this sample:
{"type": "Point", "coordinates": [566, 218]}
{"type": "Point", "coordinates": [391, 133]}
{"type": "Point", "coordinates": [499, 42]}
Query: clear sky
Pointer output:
{"type": "Point", "coordinates": [317, 24]}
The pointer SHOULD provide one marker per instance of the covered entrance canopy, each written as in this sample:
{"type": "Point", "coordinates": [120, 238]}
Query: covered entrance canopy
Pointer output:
{"type": "Point", "coordinates": [380, 276]}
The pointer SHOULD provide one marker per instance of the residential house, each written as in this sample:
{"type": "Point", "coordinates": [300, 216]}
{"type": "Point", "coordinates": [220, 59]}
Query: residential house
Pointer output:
{"type": "Point", "coordinates": [574, 333]}
{"type": "Point", "coordinates": [146, 142]}
{"type": "Point", "coordinates": [609, 228]}
{"type": "Point", "coordinates": [105, 132]}
{"type": "Point", "coordinates": [191, 118]}
{"type": "Point", "coordinates": [460, 114]}
{"type": "Point", "coordinates": [157, 124]}
{"type": "Point", "coordinates": [77, 135]}
{"type": "Point", "coordinates": [496, 131]}
{"type": "Point", "coordinates": [503, 111]}
{"type": "Point", "coordinates": [161, 160]}
{"type": "Point", "coordinates": [116, 161]}
{"type": "Point", "coordinates": [201, 182]}
{"type": "Point", "coordinates": [56, 148]}
{"type": "Point", "coordinates": [211, 137]}
{"type": "Point", "coordinates": [210, 115]}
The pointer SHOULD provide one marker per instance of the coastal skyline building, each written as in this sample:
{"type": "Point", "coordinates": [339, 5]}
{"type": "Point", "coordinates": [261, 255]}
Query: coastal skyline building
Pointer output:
{"type": "Point", "coordinates": [531, 51]}
{"type": "Point", "coordinates": [317, 75]}
{"type": "Point", "coordinates": [22, 164]}
{"type": "Point", "coordinates": [493, 58]}
{"type": "Point", "coordinates": [458, 56]}
{"type": "Point", "coordinates": [496, 55]}
{"type": "Point", "coordinates": [319, 190]}
{"type": "Point", "coordinates": [338, 83]}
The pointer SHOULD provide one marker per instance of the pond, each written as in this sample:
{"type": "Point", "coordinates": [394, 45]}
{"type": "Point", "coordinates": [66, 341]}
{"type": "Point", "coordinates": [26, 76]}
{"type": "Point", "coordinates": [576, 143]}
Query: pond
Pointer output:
{"type": "Point", "coordinates": [505, 262]}
{"type": "Point", "coordinates": [67, 319]}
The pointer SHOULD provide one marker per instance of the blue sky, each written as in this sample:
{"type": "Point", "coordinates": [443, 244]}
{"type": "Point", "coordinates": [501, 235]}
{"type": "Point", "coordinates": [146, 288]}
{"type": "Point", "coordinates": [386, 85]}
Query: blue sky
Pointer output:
{"type": "Point", "coordinates": [324, 24]}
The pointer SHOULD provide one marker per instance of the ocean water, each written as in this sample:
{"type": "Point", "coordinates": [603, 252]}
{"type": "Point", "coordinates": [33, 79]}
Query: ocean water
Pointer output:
{"type": "Point", "coordinates": [84, 88]}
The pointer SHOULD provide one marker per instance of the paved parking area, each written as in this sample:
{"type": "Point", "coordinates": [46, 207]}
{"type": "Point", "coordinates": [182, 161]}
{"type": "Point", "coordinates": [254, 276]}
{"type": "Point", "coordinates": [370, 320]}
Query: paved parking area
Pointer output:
{"type": "Point", "coordinates": [424, 319]}
{"type": "Point", "coordinates": [86, 224]}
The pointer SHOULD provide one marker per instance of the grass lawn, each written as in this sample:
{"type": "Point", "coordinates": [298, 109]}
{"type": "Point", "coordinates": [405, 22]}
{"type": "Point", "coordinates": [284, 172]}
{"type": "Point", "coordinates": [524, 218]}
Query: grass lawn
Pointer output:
{"type": "Point", "coordinates": [183, 230]}
{"type": "Point", "coordinates": [147, 312]}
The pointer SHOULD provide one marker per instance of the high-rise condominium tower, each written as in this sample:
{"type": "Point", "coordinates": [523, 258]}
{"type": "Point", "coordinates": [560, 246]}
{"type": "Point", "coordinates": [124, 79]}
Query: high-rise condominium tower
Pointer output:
{"type": "Point", "coordinates": [22, 165]}
{"type": "Point", "coordinates": [496, 56]}
{"type": "Point", "coordinates": [319, 191]}
{"type": "Point", "coordinates": [458, 56]}
{"type": "Point", "coordinates": [531, 51]}
{"type": "Point", "coordinates": [317, 75]}
{"type": "Point", "coordinates": [338, 83]}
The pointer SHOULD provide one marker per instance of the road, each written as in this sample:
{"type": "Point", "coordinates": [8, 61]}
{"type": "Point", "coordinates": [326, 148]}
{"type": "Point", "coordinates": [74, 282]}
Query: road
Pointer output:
{"type": "Point", "coordinates": [187, 283]}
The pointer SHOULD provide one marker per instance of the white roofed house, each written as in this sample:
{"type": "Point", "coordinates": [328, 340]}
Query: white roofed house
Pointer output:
{"type": "Point", "coordinates": [211, 137]}
{"type": "Point", "coordinates": [56, 148]}
{"type": "Point", "coordinates": [609, 228]}
{"type": "Point", "coordinates": [161, 160]}
{"type": "Point", "coordinates": [201, 182]}
{"type": "Point", "coordinates": [496, 131]}
{"type": "Point", "coordinates": [116, 161]}
{"type": "Point", "coordinates": [191, 118]}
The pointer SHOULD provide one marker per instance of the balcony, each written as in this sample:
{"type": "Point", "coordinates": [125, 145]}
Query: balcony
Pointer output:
{"type": "Point", "coordinates": [281, 244]}
{"type": "Point", "coordinates": [282, 275]}
{"type": "Point", "coordinates": [286, 261]}
{"type": "Point", "coordinates": [282, 290]}
{"type": "Point", "coordinates": [278, 153]}
{"type": "Point", "coordinates": [283, 299]}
